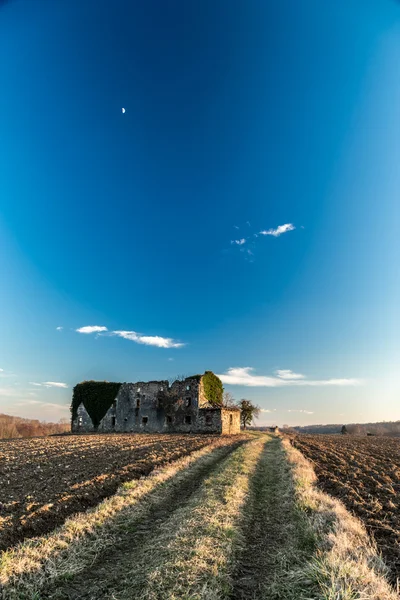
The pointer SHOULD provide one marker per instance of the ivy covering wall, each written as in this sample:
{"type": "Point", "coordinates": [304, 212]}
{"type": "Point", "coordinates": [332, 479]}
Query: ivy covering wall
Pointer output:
{"type": "Point", "coordinates": [213, 388]}
{"type": "Point", "coordinates": [96, 397]}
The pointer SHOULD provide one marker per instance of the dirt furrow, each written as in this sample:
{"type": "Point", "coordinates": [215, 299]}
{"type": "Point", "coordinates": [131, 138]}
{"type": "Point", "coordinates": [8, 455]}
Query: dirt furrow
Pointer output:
{"type": "Point", "coordinates": [108, 576]}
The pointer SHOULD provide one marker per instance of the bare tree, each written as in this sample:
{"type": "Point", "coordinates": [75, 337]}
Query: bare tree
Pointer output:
{"type": "Point", "coordinates": [228, 400]}
{"type": "Point", "coordinates": [176, 378]}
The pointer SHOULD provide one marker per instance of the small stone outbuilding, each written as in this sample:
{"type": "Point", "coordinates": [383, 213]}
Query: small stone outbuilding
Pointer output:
{"type": "Point", "coordinates": [156, 406]}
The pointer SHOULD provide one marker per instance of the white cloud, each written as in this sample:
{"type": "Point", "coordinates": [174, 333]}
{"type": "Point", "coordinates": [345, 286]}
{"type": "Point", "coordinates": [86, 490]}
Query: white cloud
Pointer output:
{"type": "Point", "coordinates": [279, 230]}
{"type": "Point", "coordinates": [288, 374]}
{"type": "Point", "coordinates": [148, 340]}
{"type": "Point", "coordinates": [123, 111]}
{"type": "Point", "coordinates": [1, 370]}
{"type": "Point", "coordinates": [301, 410]}
{"type": "Point", "coordinates": [56, 384]}
{"type": "Point", "coordinates": [59, 328]}
{"type": "Point", "coordinates": [265, 410]}
{"type": "Point", "coordinates": [49, 384]}
{"type": "Point", "coordinates": [239, 242]}
{"type": "Point", "coordinates": [244, 376]}
{"type": "Point", "coordinates": [91, 329]}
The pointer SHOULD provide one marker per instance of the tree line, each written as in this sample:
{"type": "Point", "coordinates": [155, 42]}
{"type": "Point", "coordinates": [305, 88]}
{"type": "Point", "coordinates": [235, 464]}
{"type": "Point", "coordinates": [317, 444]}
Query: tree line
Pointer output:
{"type": "Point", "coordinates": [391, 428]}
{"type": "Point", "coordinates": [18, 427]}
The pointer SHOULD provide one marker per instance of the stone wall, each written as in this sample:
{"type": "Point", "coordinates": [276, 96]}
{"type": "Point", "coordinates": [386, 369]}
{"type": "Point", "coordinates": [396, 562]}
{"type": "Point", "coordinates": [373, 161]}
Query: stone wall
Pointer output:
{"type": "Point", "coordinates": [209, 420]}
{"type": "Point", "coordinates": [82, 422]}
{"type": "Point", "coordinates": [154, 406]}
{"type": "Point", "coordinates": [230, 421]}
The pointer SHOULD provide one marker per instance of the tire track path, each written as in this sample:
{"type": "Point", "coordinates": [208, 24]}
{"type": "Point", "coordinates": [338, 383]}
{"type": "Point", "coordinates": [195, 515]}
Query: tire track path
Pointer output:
{"type": "Point", "coordinates": [276, 541]}
{"type": "Point", "coordinates": [124, 571]}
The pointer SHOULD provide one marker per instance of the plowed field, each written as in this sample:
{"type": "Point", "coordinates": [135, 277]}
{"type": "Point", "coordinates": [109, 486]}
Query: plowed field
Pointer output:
{"type": "Point", "coordinates": [364, 472]}
{"type": "Point", "coordinates": [44, 480]}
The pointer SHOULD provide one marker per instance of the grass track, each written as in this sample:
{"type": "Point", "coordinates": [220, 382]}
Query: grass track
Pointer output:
{"type": "Point", "coordinates": [235, 521]}
{"type": "Point", "coordinates": [276, 541]}
{"type": "Point", "coordinates": [178, 547]}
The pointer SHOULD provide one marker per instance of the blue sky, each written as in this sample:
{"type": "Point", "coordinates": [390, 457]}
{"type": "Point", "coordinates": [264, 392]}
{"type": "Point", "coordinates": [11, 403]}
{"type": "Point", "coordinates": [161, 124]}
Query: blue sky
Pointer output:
{"type": "Point", "coordinates": [242, 215]}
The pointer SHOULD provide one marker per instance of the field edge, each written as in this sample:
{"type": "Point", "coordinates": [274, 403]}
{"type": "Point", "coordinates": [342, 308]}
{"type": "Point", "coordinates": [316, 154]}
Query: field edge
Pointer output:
{"type": "Point", "coordinates": [347, 564]}
{"type": "Point", "coordinates": [31, 564]}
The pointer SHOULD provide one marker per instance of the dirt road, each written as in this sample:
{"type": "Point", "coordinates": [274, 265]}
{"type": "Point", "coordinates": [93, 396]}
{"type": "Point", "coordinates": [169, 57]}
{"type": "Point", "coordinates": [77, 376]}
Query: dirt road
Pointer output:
{"type": "Point", "coordinates": [276, 539]}
{"type": "Point", "coordinates": [240, 518]}
{"type": "Point", "coordinates": [226, 527]}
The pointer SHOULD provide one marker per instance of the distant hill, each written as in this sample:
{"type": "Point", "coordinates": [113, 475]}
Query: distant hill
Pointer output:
{"type": "Point", "coordinates": [17, 427]}
{"type": "Point", "coordinates": [391, 428]}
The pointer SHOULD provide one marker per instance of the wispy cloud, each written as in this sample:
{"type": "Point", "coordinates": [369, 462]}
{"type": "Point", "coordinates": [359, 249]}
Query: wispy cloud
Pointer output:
{"type": "Point", "coordinates": [301, 410]}
{"type": "Point", "coordinates": [245, 376]}
{"type": "Point", "coordinates": [252, 239]}
{"type": "Point", "coordinates": [4, 373]}
{"type": "Point", "coordinates": [91, 329]}
{"type": "Point", "coordinates": [133, 336]}
{"type": "Point", "coordinates": [148, 340]}
{"type": "Point", "coordinates": [59, 328]}
{"type": "Point", "coordinates": [49, 384]}
{"type": "Point", "coordinates": [9, 392]}
{"type": "Point", "coordinates": [288, 374]}
{"type": "Point", "coordinates": [279, 230]}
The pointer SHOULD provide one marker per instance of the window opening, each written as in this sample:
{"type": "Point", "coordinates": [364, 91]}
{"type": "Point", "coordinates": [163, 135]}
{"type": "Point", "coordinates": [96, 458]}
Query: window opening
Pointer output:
{"type": "Point", "coordinates": [188, 401]}
{"type": "Point", "coordinates": [137, 402]}
{"type": "Point", "coordinates": [188, 387]}
{"type": "Point", "coordinates": [112, 421]}
{"type": "Point", "coordinates": [169, 419]}
{"type": "Point", "coordinates": [188, 419]}
{"type": "Point", "coordinates": [144, 420]}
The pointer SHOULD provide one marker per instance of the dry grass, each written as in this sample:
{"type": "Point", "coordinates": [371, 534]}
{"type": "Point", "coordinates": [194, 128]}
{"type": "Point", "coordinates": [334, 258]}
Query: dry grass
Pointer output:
{"type": "Point", "coordinates": [194, 547]}
{"type": "Point", "coordinates": [347, 565]}
{"type": "Point", "coordinates": [276, 542]}
{"type": "Point", "coordinates": [32, 565]}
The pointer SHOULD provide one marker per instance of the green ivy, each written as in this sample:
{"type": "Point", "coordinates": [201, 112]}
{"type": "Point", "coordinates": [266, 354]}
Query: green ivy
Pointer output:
{"type": "Point", "coordinates": [213, 388]}
{"type": "Point", "coordinates": [96, 397]}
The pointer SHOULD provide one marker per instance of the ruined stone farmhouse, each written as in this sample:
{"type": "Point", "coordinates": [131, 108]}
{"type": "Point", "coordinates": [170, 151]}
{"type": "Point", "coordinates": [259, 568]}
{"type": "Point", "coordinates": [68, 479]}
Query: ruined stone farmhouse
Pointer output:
{"type": "Point", "coordinates": [186, 406]}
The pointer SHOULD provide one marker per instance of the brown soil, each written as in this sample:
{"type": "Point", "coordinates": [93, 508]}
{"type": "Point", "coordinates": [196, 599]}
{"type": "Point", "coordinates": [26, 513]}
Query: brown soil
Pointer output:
{"type": "Point", "coordinates": [44, 480]}
{"type": "Point", "coordinates": [110, 576]}
{"type": "Point", "coordinates": [364, 473]}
